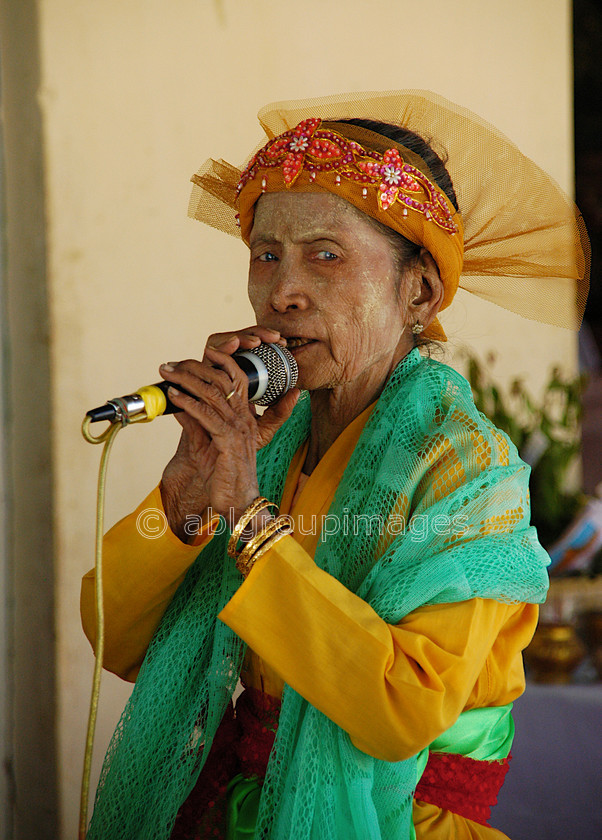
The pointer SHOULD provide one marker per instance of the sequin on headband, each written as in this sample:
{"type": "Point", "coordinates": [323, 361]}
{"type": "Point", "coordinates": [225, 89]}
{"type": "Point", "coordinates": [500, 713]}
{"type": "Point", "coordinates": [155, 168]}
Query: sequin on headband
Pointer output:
{"type": "Point", "coordinates": [313, 149]}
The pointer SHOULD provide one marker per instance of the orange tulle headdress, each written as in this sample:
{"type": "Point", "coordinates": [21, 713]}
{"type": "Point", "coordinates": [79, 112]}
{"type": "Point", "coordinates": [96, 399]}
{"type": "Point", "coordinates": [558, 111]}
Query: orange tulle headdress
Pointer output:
{"type": "Point", "coordinates": [517, 239]}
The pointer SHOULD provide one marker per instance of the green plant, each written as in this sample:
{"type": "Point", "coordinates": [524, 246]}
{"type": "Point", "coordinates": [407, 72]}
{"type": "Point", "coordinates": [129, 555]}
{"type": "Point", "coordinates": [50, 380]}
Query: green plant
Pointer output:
{"type": "Point", "coordinates": [546, 433]}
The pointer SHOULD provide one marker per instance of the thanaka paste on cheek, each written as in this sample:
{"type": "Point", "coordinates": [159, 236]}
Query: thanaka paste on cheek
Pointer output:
{"type": "Point", "coordinates": [349, 304]}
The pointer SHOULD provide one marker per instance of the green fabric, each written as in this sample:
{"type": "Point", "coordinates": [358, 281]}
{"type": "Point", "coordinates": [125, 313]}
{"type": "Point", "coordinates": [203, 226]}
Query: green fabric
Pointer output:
{"type": "Point", "coordinates": [318, 785]}
{"type": "Point", "coordinates": [243, 807]}
{"type": "Point", "coordinates": [483, 734]}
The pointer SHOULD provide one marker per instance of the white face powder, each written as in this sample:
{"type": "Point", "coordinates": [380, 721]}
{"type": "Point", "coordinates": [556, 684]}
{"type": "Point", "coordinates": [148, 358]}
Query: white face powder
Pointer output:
{"type": "Point", "coordinates": [320, 271]}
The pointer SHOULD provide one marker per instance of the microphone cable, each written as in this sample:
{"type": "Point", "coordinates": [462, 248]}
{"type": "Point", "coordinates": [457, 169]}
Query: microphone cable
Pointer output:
{"type": "Point", "coordinates": [153, 407]}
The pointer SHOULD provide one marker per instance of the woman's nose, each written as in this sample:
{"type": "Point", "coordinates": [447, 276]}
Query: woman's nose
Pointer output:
{"type": "Point", "coordinates": [288, 290]}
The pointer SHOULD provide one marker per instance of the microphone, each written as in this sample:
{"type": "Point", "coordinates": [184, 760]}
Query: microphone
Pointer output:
{"type": "Point", "coordinates": [270, 369]}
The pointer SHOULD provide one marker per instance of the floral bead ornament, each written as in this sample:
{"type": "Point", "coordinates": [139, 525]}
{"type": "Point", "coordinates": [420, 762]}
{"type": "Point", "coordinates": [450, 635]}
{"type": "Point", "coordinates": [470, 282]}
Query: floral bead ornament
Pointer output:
{"type": "Point", "coordinates": [378, 176]}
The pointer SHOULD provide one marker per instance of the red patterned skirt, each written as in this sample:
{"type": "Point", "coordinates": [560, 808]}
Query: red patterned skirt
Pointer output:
{"type": "Point", "coordinates": [243, 743]}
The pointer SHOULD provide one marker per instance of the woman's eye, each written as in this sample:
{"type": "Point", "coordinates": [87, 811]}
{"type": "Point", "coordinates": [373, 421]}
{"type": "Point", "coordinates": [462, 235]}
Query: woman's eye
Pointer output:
{"type": "Point", "coordinates": [326, 255]}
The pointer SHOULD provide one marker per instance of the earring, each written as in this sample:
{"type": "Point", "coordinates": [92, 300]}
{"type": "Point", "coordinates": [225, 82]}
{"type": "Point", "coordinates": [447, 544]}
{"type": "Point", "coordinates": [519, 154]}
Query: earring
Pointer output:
{"type": "Point", "coordinates": [417, 328]}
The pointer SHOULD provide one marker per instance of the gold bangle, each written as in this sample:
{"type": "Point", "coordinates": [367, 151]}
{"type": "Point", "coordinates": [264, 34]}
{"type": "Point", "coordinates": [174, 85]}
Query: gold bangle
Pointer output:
{"type": "Point", "coordinates": [267, 545]}
{"type": "Point", "coordinates": [253, 544]}
{"type": "Point", "coordinates": [260, 503]}
{"type": "Point", "coordinates": [262, 543]}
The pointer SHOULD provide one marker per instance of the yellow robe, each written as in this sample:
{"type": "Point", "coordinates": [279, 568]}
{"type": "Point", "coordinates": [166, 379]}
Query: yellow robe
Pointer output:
{"type": "Point", "coordinates": [394, 689]}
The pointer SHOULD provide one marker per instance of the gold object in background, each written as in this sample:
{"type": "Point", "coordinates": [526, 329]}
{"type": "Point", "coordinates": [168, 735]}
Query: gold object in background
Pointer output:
{"type": "Point", "coordinates": [554, 653]}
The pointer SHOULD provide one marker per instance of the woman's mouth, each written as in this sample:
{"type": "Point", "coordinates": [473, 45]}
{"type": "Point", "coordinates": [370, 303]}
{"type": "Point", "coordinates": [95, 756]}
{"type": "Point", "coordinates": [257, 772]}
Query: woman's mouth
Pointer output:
{"type": "Point", "coordinates": [294, 342]}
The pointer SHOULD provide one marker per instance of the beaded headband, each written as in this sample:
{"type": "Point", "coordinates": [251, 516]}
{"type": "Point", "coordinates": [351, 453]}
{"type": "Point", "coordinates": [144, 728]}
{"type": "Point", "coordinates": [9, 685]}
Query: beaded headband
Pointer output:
{"type": "Point", "coordinates": [378, 176]}
{"type": "Point", "coordinates": [319, 150]}
{"type": "Point", "coordinates": [520, 242]}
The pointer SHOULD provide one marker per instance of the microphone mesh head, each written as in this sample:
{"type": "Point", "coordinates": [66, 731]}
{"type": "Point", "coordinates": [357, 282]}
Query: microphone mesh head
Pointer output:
{"type": "Point", "coordinates": [282, 371]}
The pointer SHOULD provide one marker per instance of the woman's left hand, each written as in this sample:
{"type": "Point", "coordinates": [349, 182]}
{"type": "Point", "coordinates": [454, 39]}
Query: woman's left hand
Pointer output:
{"type": "Point", "coordinates": [219, 409]}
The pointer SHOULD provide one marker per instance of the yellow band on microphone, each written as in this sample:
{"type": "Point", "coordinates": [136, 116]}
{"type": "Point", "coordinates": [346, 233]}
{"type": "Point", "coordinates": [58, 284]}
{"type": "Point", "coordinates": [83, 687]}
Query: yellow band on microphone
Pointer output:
{"type": "Point", "coordinates": [154, 400]}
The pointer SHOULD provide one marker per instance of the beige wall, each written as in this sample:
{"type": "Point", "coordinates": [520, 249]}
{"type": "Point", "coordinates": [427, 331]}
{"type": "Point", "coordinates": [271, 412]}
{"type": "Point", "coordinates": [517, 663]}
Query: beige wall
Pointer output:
{"type": "Point", "coordinates": [134, 96]}
{"type": "Point", "coordinates": [28, 708]}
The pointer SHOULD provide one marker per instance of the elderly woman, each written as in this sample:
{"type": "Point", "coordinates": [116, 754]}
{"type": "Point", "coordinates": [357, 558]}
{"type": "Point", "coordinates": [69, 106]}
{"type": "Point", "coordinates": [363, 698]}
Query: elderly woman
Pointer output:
{"type": "Point", "coordinates": [377, 629]}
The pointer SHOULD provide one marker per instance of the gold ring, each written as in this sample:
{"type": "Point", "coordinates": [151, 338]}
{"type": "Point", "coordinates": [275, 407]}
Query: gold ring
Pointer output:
{"type": "Point", "coordinates": [231, 394]}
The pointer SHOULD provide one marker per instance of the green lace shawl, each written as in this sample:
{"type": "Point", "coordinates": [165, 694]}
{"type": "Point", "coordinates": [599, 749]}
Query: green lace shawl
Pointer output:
{"type": "Point", "coordinates": [426, 451]}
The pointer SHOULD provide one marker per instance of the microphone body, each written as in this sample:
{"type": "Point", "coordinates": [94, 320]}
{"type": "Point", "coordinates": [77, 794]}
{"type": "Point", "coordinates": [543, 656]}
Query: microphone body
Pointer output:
{"type": "Point", "coordinates": [270, 369]}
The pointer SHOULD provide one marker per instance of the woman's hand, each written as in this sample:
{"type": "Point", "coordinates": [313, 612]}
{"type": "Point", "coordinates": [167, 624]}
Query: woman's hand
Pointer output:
{"type": "Point", "coordinates": [215, 463]}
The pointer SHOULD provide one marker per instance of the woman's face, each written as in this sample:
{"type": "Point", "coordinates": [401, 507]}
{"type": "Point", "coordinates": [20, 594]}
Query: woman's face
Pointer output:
{"type": "Point", "coordinates": [327, 280]}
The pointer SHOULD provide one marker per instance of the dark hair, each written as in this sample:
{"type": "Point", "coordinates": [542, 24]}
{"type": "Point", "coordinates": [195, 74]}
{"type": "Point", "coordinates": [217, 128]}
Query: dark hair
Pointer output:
{"type": "Point", "coordinates": [415, 143]}
{"type": "Point", "coordinates": [407, 252]}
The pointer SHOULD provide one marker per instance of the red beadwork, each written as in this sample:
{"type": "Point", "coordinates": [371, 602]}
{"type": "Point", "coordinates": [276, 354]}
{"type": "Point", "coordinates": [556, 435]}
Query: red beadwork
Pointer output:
{"type": "Point", "coordinates": [203, 814]}
{"type": "Point", "coordinates": [307, 147]}
{"type": "Point", "coordinates": [257, 715]}
{"type": "Point", "coordinates": [243, 744]}
{"type": "Point", "coordinates": [463, 785]}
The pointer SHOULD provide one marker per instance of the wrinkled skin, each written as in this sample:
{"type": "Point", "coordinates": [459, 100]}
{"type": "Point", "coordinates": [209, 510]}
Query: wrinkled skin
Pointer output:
{"type": "Point", "coordinates": [325, 279]}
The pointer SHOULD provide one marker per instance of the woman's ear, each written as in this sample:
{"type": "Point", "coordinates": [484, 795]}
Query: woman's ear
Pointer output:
{"type": "Point", "coordinates": [426, 304]}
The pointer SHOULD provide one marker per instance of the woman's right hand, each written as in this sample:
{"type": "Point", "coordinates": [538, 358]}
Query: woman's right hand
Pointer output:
{"type": "Point", "coordinates": [187, 479]}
